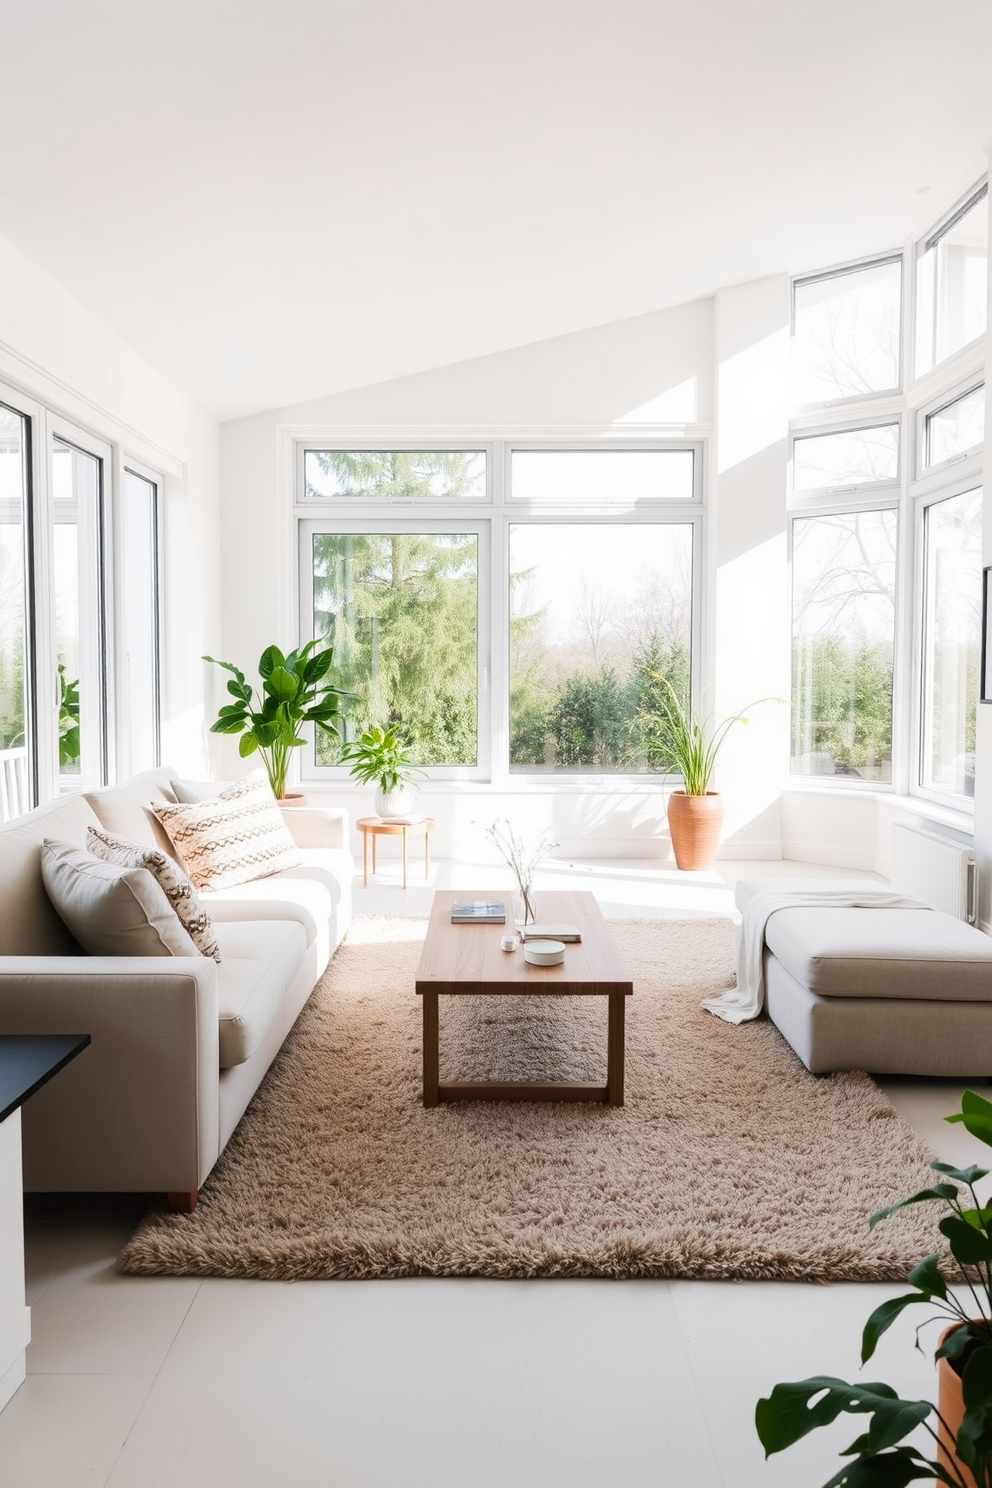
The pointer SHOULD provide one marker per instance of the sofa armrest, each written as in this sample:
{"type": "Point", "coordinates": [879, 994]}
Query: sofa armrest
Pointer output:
{"type": "Point", "coordinates": [317, 826]}
{"type": "Point", "coordinates": [139, 1109]}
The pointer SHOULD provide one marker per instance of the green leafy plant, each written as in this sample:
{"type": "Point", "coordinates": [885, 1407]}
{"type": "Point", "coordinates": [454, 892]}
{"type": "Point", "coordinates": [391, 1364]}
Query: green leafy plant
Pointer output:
{"type": "Point", "coordinates": [69, 745]}
{"type": "Point", "coordinates": [293, 692]}
{"type": "Point", "coordinates": [380, 757]}
{"type": "Point", "coordinates": [677, 740]}
{"type": "Point", "coordinates": [794, 1410]}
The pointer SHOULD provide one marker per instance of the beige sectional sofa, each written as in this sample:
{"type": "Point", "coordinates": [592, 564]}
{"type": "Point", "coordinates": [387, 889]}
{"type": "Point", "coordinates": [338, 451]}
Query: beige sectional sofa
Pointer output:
{"type": "Point", "coordinates": [180, 1043]}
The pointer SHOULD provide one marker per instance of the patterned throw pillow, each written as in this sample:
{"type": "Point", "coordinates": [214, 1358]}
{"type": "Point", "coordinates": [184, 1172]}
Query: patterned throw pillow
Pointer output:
{"type": "Point", "coordinates": [171, 878]}
{"type": "Point", "coordinates": [231, 838]}
{"type": "Point", "coordinates": [111, 911]}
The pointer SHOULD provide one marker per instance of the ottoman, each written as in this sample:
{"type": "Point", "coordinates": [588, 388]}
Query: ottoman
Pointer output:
{"type": "Point", "coordinates": [894, 991]}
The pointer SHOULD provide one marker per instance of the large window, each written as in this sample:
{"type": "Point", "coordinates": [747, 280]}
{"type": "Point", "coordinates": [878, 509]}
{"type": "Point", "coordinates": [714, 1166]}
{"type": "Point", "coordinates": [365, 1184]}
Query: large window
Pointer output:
{"type": "Point", "coordinates": [79, 695]}
{"type": "Point", "coordinates": [952, 283]}
{"type": "Point", "coordinates": [843, 608]}
{"type": "Point", "coordinates": [952, 547]}
{"type": "Point", "coordinates": [542, 616]}
{"type": "Point", "coordinates": [16, 751]}
{"type": "Point", "coordinates": [400, 609]}
{"type": "Point", "coordinates": [846, 340]}
{"type": "Point", "coordinates": [597, 615]}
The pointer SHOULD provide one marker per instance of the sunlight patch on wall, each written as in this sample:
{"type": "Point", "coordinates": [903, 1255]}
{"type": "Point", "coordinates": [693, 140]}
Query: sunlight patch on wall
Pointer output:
{"type": "Point", "coordinates": [679, 405]}
{"type": "Point", "coordinates": [752, 398]}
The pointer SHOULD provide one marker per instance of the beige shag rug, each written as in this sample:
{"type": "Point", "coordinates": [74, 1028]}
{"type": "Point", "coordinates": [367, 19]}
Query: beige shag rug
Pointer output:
{"type": "Point", "coordinates": [728, 1160]}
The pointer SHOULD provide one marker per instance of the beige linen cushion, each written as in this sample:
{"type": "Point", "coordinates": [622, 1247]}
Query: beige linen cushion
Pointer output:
{"type": "Point", "coordinates": [172, 880]}
{"type": "Point", "coordinates": [916, 953]}
{"type": "Point", "coordinates": [111, 911]}
{"type": "Point", "coordinates": [232, 838]}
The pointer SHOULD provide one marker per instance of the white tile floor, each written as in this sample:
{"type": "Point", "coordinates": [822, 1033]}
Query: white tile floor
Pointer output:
{"type": "Point", "coordinates": [137, 1383]}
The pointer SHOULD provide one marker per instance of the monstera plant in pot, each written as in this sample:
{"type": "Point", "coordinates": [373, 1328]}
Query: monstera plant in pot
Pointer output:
{"type": "Point", "coordinates": [294, 691]}
{"type": "Point", "coordinates": [679, 742]}
{"type": "Point", "coordinates": [381, 758]}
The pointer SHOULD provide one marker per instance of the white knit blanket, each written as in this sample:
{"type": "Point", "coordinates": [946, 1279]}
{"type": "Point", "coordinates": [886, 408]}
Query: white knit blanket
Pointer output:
{"type": "Point", "coordinates": [746, 1000]}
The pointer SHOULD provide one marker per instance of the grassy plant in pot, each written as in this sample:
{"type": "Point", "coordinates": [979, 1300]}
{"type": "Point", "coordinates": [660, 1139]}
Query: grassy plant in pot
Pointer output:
{"type": "Point", "coordinates": [958, 1289]}
{"type": "Point", "coordinates": [677, 741]}
{"type": "Point", "coordinates": [381, 758]}
{"type": "Point", "coordinates": [294, 691]}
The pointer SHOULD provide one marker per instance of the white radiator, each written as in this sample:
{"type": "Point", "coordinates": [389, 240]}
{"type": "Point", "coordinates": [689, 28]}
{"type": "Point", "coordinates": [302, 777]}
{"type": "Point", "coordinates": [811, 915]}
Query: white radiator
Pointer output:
{"type": "Point", "coordinates": [935, 869]}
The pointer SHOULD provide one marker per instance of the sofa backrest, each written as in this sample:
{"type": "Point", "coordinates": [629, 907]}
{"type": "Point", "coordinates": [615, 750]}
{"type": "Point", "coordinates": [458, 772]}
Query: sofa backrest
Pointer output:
{"type": "Point", "coordinates": [29, 926]}
{"type": "Point", "coordinates": [126, 809]}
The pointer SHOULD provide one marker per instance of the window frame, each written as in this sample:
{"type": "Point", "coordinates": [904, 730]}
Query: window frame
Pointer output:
{"type": "Point", "coordinates": [493, 519]}
{"type": "Point", "coordinates": [936, 404]}
{"type": "Point", "coordinates": [922, 246]}
{"type": "Point", "coordinates": [963, 480]}
{"type": "Point", "coordinates": [312, 504]}
{"type": "Point", "coordinates": [856, 400]}
{"type": "Point", "coordinates": [866, 490]}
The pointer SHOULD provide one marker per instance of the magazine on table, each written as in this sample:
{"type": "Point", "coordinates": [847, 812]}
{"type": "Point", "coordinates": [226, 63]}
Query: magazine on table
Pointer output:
{"type": "Point", "coordinates": [478, 912]}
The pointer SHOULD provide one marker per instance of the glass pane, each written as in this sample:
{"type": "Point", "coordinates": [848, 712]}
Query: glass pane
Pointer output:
{"type": "Point", "coordinates": [597, 615]}
{"type": "Point", "coordinates": [395, 475]}
{"type": "Point", "coordinates": [843, 618]}
{"type": "Point", "coordinates": [15, 721]}
{"type": "Point", "coordinates": [76, 561]}
{"type": "Point", "coordinates": [852, 457]}
{"type": "Point", "coordinates": [958, 427]}
{"type": "Point", "coordinates": [952, 288]}
{"type": "Point", "coordinates": [610, 477]}
{"type": "Point", "coordinates": [846, 338]}
{"type": "Point", "coordinates": [401, 611]}
{"type": "Point", "coordinates": [951, 642]}
{"type": "Point", "coordinates": [138, 719]}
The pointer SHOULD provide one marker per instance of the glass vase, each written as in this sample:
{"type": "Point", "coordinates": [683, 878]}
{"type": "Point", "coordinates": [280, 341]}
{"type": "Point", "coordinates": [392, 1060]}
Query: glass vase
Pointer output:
{"type": "Point", "coordinates": [524, 906]}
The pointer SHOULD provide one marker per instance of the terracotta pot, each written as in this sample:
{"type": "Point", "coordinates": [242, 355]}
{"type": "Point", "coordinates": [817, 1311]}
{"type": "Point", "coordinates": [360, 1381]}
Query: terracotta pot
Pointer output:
{"type": "Point", "coordinates": [694, 823]}
{"type": "Point", "coordinates": [293, 798]}
{"type": "Point", "coordinates": [950, 1404]}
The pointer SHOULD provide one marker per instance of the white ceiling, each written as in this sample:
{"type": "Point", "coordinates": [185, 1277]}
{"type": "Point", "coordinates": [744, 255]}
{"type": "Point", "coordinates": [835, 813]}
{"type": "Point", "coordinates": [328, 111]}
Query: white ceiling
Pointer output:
{"type": "Point", "coordinates": [274, 200]}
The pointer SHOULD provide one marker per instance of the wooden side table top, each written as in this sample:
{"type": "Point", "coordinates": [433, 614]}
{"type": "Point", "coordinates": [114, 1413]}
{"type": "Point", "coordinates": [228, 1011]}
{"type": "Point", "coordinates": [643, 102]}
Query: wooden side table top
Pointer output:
{"type": "Point", "coordinates": [382, 827]}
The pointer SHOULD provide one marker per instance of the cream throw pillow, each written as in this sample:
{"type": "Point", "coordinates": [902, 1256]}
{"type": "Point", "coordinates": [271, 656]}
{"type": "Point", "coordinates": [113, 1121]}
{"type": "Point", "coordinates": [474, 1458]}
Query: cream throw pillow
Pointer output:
{"type": "Point", "coordinates": [231, 838]}
{"type": "Point", "coordinates": [172, 880]}
{"type": "Point", "coordinates": [111, 911]}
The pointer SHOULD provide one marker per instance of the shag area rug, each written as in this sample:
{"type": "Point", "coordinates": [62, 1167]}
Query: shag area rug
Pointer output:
{"type": "Point", "coordinates": [729, 1160]}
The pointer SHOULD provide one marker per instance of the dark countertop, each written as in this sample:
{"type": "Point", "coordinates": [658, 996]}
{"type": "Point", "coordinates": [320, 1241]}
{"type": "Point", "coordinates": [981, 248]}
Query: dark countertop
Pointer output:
{"type": "Point", "coordinates": [29, 1060]}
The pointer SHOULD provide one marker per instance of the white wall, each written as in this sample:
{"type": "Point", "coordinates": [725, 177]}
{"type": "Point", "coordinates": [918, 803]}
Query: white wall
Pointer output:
{"type": "Point", "coordinates": [58, 352]}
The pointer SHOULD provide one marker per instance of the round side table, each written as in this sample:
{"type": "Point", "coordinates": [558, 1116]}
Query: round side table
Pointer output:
{"type": "Point", "coordinates": [375, 827]}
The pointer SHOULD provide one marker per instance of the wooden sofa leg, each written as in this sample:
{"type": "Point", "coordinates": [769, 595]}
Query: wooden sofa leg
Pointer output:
{"type": "Point", "coordinates": [181, 1203]}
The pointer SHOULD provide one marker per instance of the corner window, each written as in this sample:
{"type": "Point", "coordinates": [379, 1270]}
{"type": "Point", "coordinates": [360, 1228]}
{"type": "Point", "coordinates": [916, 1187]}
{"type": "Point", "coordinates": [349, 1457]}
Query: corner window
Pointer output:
{"type": "Point", "coordinates": [952, 568]}
{"type": "Point", "coordinates": [955, 429]}
{"type": "Point", "coordinates": [843, 626]}
{"type": "Point", "coordinates": [846, 334]}
{"type": "Point", "coordinates": [952, 283]}
{"type": "Point", "coordinates": [846, 459]}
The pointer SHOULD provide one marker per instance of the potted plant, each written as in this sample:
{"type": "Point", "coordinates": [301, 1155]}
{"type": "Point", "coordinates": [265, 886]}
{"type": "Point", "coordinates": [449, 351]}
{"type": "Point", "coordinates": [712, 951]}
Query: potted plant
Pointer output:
{"type": "Point", "coordinates": [677, 741]}
{"type": "Point", "coordinates": [962, 1432]}
{"type": "Point", "coordinates": [382, 758]}
{"type": "Point", "coordinates": [293, 692]}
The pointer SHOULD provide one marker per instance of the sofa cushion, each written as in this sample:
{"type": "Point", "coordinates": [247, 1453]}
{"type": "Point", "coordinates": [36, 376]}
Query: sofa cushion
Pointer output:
{"type": "Point", "coordinates": [917, 953]}
{"type": "Point", "coordinates": [171, 879]}
{"type": "Point", "coordinates": [111, 911]}
{"type": "Point", "coordinates": [126, 810]}
{"type": "Point", "coordinates": [231, 838]}
{"type": "Point", "coordinates": [29, 922]}
{"type": "Point", "coordinates": [259, 960]}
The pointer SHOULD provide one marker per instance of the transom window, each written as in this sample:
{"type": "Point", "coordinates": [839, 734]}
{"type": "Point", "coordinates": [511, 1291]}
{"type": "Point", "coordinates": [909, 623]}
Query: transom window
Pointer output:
{"type": "Point", "coordinates": [952, 283]}
{"type": "Point", "coordinates": [846, 333]}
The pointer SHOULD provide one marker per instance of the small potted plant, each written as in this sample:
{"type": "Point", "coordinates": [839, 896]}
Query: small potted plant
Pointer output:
{"type": "Point", "coordinates": [293, 692]}
{"type": "Point", "coordinates": [381, 758]}
{"type": "Point", "coordinates": [677, 741]}
{"type": "Point", "coordinates": [963, 1430]}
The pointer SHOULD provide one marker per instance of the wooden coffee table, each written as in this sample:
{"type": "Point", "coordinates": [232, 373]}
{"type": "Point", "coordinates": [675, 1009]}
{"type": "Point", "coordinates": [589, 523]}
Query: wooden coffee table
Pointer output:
{"type": "Point", "coordinates": [467, 961]}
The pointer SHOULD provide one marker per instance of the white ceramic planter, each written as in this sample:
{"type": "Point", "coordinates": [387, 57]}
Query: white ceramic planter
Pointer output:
{"type": "Point", "coordinates": [399, 802]}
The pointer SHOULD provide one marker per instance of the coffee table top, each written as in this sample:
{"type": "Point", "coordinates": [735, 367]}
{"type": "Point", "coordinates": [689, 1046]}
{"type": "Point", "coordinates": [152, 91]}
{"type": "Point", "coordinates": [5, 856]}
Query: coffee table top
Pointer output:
{"type": "Point", "coordinates": [469, 958]}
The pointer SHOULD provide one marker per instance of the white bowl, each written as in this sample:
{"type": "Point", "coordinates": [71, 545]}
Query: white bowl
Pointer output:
{"type": "Point", "coordinates": [544, 952]}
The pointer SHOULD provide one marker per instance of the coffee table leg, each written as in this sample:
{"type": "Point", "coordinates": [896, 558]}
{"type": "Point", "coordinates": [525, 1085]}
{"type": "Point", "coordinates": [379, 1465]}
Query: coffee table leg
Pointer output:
{"type": "Point", "coordinates": [614, 1050]}
{"type": "Point", "coordinates": [431, 1049]}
